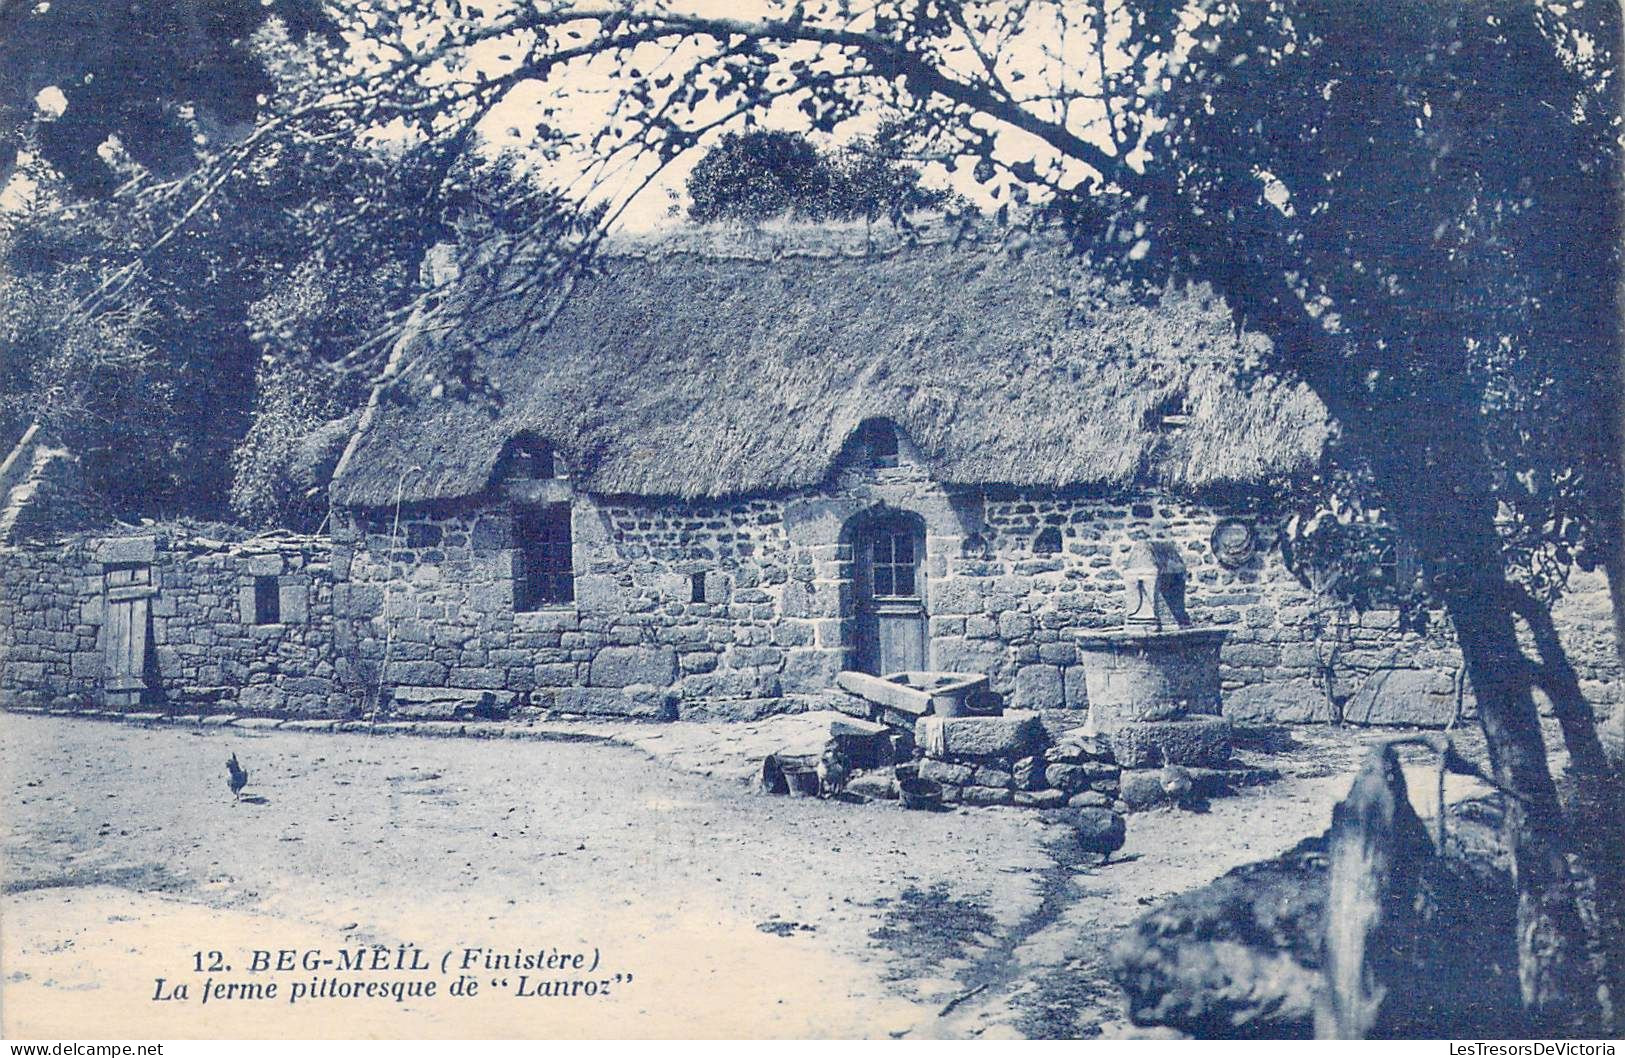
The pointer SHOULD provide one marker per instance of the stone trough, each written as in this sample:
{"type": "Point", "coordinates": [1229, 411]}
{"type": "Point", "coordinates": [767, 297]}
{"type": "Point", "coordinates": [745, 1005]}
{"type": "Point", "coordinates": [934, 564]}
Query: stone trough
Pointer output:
{"type": "Point", "coordinates": [903, 697]}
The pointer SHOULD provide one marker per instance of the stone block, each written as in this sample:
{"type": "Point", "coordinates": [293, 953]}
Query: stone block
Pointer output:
{"type": "Point", "coordinates": [1011, 736]}
{"type": "Point", "coordinates": [626, 666]}
{"type": "Point", "coordinates": [634, 702]}
{"type": "Point", "coordinates": [1074, 778]}
{"type": "Point", "coordinates": [1015, 625]}
{"type": "Point", "coordinates": [1067, 777]}
{"type": "Point", "coordinates": [1203, 741]}
{"type": "Point", "coordinates": [293, 601]}
{"type": "Point", "coordinates": [491, 533]}
{"type": "Point", "coordinates": [1256, 656]}
{"type": "Point", "coordinates": [951, 654]}
{"type": "Point", "coordinates": [265, 565]}
{"type": "Point", "coordinates": [741, 657]}
{"type": "Point", "coordinates": [1037, 687]}
{"type": "Point", "coordinates": [1028, 773]}
{"type": "Point", "coordinates": [478, 678]}
{"type": "Point", "coordinates": [1285, 702]}
{"type": "Point", "coordinates": [1040, 798]}
{"type": "Point", "coordinates": [810, 669]}
{"type": "Point", "coordinates": [940, 771]}
{"type": "Point", "coordinates": [1077, 746]}
{"type": "Point", "coordinates": [1089, 799]}
{"type": "Point", "coordinates": [986, 795]}
{"type": "Point", "coordinates": [1406, 697]}
{"type": "Point", "coordinates": [956, 595]}
{"type": "Point", "coordinates": [877, 785]}
{"type": "Point", "coordinates": [981, 626]}
{"type": "Point", "coordinates": [126, 549]}
{"type": "Point", "coordinates": [425, 673]}
{"type": "Point", "coordinates": [1074, 687]}
{"type": "Point", "coordinates": [698, 661]}
{"type": "Point", "coordinates": [986, 776]}
{"type": "Point", "coordinates": [1143, 789]}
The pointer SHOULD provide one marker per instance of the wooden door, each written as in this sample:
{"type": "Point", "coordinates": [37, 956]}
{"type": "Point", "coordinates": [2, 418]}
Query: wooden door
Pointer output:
{"type": "Point", "coordinates": [890, 600]}
{"type": "Point", "coordinates": [129, 587]}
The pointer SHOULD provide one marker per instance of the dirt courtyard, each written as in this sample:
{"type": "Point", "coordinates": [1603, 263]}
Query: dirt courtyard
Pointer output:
{"type": "Point", "coordinates": [726, 913]}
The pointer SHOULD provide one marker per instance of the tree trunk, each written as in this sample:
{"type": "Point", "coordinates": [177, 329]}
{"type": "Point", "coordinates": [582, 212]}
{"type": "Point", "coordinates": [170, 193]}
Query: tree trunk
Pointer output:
{"type": "Point", "coordinates": [1614, 735]}
{"type": "Point", "coordinates": [1556, 974]}
{"type": "Point", "coordinates": [1377, 850]}
{"type": "Point", "coordinates": [1437, 480]}
{"type": "Point", "coordinates": [1561, 683]}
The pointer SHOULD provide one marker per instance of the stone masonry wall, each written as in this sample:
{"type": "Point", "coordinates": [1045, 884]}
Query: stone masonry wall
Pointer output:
{"type": "Point", "coordinates": [713, 610]}
{"type": "Point", "coordinates": [204, 650]}
{"type": "Point", "coordinates": [432, 606]}
{"type": "Point", "coordinates": [775, 613]}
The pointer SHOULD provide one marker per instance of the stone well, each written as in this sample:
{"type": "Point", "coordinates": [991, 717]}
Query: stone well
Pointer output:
{"type": "Point", "coordinates": [1153, 684]}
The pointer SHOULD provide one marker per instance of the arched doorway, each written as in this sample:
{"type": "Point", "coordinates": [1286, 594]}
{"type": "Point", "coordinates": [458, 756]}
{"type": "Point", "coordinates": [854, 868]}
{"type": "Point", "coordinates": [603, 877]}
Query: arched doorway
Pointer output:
{"type": "Point", "coordinates": [888, 631]}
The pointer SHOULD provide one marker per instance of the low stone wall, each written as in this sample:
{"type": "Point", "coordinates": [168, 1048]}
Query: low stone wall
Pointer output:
{"type": "Point", "coordinates": [1009, 760]}
{"type": "Point", "coordinates": [205, 646]}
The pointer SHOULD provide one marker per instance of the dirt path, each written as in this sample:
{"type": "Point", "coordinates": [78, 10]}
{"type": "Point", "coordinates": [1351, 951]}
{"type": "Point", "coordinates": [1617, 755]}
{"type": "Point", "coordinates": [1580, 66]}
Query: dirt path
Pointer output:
{"type": "Point", "coordinates": [734, 914]}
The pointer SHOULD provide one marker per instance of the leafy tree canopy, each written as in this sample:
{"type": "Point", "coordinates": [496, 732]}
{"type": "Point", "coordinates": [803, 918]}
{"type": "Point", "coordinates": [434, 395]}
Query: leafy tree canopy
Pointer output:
{"type": "Point", "coordinates": [753, 176]}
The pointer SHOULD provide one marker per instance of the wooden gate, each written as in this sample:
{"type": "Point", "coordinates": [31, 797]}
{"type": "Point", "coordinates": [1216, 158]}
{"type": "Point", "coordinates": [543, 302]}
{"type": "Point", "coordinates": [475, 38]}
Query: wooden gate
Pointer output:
{"type": "Point", "coordinates": [129, 587]}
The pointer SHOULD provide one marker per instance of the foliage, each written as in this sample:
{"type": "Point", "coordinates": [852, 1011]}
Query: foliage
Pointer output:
{"type": "Point", "coordinates": [90, 379]}
{"type": "Point", "coordinates": [283, 271]}
{"type": "Point", "coordinates": [753, 176]}
{"type": "Point", "coordinates": [165, 80]}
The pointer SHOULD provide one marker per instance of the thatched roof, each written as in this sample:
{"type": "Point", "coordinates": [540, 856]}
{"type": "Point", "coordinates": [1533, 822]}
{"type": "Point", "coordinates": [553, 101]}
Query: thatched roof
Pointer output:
{"type": "Point", "coordinates": [702, 368]}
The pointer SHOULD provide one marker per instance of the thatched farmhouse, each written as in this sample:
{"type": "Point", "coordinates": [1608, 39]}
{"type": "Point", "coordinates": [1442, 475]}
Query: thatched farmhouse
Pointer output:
{"type": "Point", "coordinates": [717, 471]}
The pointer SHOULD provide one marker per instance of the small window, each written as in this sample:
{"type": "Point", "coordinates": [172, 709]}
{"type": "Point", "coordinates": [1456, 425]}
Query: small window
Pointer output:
{"type": "Point", "coordinates": [1142, 510]}
{"type": "Point", "coordinates": [1398, 571]}
{"type": "Point", "coordinates": [696, 587]}
{"type": "Point", "coordinates": [1047, 542]}
{"type": "Point", "coordinates": [892, 562]}
{"type": "Point", "coordinates": [544, 562]}
{"type": "Point", "coordinates": [880, 442]}
{"type": "Point", "coordinates": [127, 574]}
{"type": "Point", "coordinates": [267, 601]}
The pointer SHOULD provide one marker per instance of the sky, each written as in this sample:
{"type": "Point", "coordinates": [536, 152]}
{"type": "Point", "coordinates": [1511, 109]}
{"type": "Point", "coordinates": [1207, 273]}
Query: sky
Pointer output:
{"type": "Point", "coordinates": [577, 100]}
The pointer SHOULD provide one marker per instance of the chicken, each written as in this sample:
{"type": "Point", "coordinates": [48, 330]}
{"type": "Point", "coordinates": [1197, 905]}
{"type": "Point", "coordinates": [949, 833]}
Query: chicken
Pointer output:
{"type": "Point", "coordinates": [834, 769]}
{"type": "Point", "coordinates": [1176, 782]}
{"type": "Point", "coordinates": [237, 777]}
{"type": "Point", "coordinates": [1099, 831]}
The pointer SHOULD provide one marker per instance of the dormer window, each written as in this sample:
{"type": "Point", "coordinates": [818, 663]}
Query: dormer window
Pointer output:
{"type": "Point", "coordinates": [1169, 414]}
{"type": "Point", "coordinates": [532, 459]}
{"type": "Point", "coordinates": [880, 443]}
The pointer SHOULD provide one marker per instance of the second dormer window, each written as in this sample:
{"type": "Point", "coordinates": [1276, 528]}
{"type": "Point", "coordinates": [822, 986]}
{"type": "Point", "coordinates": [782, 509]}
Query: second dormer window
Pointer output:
{"type": "Point", "coordinates": [880, 443]}
{"type": "Point", "coordinates": [530, 459]}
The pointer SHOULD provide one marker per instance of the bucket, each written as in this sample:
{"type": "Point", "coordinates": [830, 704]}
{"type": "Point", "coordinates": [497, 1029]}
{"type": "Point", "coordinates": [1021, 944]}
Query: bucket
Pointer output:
{"type": "Point", "coordinates": [919, 793]}
{"type": "Point", "coordinates": [801, 782]}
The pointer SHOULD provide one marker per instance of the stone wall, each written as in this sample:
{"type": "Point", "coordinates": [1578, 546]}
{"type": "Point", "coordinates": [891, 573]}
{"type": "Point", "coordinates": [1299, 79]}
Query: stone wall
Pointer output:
{"type": "Point", "coordinates": [432, 606]}
{"type": "Point", "coordinates": [204, 650]}
{"type": "Point", "coordinates": [719, 609]}
{"type": "Point", "coordinates": [716, 610]}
